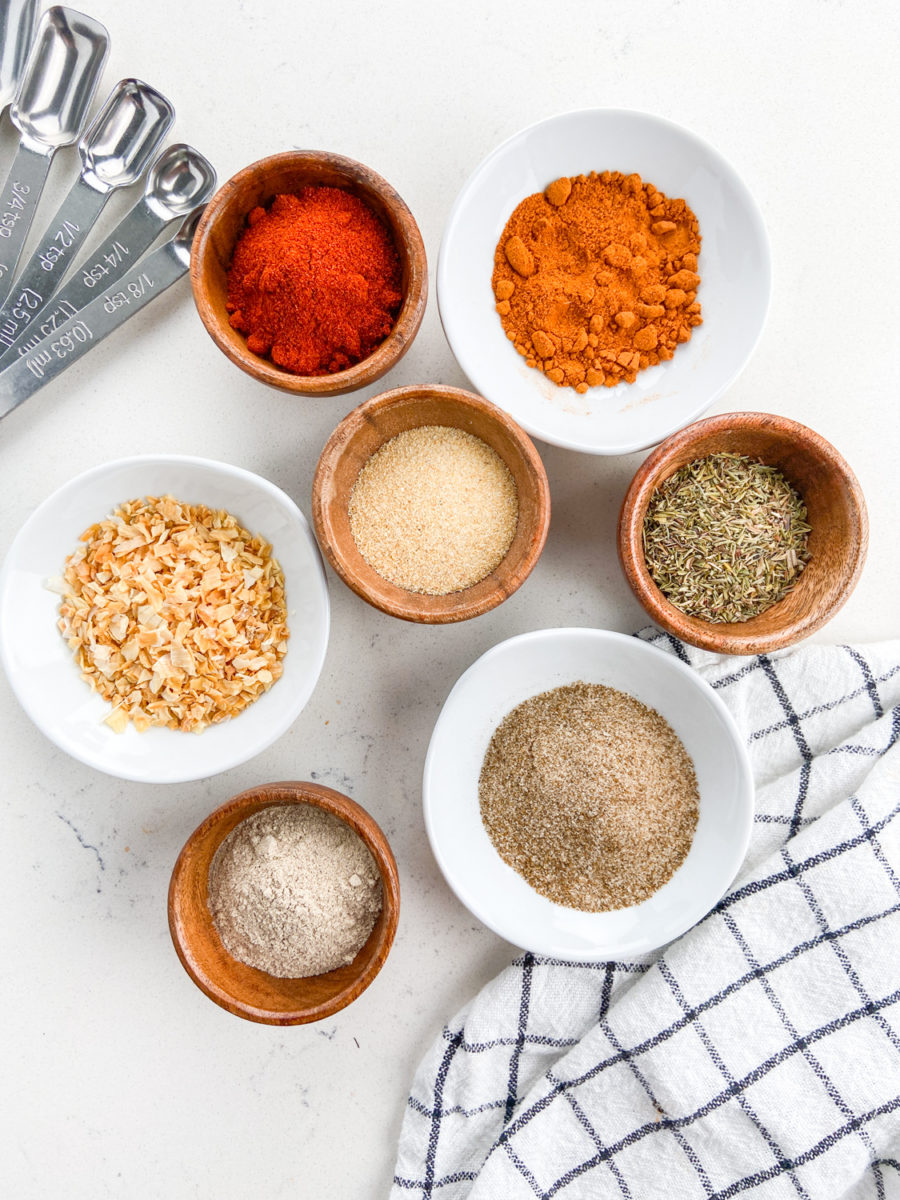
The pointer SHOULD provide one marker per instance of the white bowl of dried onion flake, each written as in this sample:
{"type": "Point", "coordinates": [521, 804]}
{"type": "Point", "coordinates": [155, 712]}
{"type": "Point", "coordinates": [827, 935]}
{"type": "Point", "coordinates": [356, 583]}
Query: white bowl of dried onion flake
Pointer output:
{"type": "Point", "coordinates": [204, 653]}
{"type": "Point", "coordinates": [528, 666]}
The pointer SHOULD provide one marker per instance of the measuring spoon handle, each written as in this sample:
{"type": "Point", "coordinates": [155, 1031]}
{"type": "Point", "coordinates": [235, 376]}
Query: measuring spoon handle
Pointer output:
{"type": "Point", "coordinates": [18, 201]}
{"type": "Point", "coordinates": [44, 271]}
{"type": "Point", "coordinates": [80, 333]}
{"type": "Point", "coordinates": [131, 238]}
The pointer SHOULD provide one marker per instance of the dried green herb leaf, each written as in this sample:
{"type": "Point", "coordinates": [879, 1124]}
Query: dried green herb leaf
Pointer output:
{"type": "Point", "coordinates": [725, 538]}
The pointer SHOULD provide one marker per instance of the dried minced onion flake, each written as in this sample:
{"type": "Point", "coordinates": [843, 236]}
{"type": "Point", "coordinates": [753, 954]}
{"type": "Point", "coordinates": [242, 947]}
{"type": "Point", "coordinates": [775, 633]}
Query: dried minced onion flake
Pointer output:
{"type": "Point", "coordinates": [175, 614]}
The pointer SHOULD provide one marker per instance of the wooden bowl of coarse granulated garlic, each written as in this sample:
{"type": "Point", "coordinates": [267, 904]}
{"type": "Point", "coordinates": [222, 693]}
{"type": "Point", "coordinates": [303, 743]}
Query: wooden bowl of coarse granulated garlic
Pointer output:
{"type": "Point", "coordinates": [431, 503]}
{"type": "Point", "coordinates": [253, 884]}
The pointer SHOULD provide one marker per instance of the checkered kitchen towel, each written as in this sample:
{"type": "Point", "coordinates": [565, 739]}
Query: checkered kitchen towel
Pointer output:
{"type": "Point", "coordinates": [760, 1053]}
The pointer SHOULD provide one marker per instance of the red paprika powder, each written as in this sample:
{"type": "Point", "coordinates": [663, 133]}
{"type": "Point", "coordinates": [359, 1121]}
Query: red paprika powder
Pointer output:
{"type": "Point", "coordinates": [314, 281]}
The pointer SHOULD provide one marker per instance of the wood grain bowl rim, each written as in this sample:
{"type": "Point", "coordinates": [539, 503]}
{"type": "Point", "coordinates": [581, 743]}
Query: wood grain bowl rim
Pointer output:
{"type": "Point", "coordinates": [254, 800]}
{"type": "Point", "coordinates": [412, 309]}
{"type": "Point", "coordinates": [365, 581]}
{"type": "Point", "coordinates": [727, 638]}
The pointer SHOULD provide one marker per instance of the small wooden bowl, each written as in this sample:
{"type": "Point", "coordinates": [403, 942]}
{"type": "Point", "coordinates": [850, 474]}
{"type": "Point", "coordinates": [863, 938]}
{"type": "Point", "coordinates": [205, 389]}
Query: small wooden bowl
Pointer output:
{"type": "Point", "coordinates": [378, 420]}
{"type": "Point", "coordinates": [225, 218]}
{"type": "Point", "coordinates": [246, 991]}
{"type": "Point", "coordinates": [836, 513]}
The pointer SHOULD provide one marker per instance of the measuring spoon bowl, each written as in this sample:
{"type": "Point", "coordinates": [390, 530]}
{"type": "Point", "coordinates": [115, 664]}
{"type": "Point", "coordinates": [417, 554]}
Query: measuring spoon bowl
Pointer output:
{"type": "Point", "coordinates": [18, 19]}
{"type": "Point", "coordinates": [179, 180]}
{"type": "Point", "coordinates": [183, 240]}
{"type": "Point", "coordinates": [118, 145]}
{"type": "Point", "coordinates": [59, 79]}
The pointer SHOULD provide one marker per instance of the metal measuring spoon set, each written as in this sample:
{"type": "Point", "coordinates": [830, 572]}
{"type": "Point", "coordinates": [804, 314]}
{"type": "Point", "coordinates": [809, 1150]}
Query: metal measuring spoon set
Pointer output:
{"type": "Point", "coordinates": [49, 71]}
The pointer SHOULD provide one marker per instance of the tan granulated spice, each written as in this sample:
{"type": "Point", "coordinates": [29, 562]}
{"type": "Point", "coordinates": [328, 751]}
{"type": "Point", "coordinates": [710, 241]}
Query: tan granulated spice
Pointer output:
{"type": "Point", "coordinates": [590, 796]}
{"type": "Point", "coordinates": [595, 278]}
{"type": "Point", "coordinates": [434, 510]}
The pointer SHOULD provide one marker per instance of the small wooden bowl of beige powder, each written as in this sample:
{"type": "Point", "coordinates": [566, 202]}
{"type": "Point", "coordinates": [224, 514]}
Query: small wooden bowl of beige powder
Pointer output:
{"type": "Point", "coordinates": [431, 503]}
{"type": "Point", "coordinates": [284, 903]}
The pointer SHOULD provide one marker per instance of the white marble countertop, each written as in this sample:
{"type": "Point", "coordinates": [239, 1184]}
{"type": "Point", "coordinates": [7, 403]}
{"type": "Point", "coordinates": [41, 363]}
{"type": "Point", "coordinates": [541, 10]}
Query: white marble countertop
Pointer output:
{"type": "Point", "coordinates": [119, 1078]}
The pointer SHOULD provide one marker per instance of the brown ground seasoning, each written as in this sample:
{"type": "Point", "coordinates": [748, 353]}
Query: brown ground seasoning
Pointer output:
{"type": "Point", "coordinates": [590, 796]}
{"type": "Point", "coordinates": [595, 278]}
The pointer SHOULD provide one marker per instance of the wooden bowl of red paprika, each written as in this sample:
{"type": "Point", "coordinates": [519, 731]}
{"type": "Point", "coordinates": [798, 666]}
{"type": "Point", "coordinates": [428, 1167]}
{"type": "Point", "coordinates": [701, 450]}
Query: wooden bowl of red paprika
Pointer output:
{"type": "Point", "coordinates": [321, 261]}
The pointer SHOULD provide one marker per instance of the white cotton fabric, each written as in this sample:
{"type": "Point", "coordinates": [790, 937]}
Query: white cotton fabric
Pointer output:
{"type": "Point", "coordinates": [759, 1053]}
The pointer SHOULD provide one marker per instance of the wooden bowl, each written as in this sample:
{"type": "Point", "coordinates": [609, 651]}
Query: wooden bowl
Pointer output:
{"type": "Point", "coordinates": [837, 542]}
{"type": "Point", "coordinates": [246, 991]}
{"type": "Point", "coordinates": [375, 422]}
{"type": "Point", "coordinates": [225, 218]}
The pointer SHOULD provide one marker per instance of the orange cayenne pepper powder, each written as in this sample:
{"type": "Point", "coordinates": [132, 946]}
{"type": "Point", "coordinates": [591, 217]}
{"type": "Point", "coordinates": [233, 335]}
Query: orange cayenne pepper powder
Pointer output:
{"type": "Point", "coordinates": [596, 278]}
{"type": "Point", "coordinates": [314, 281]}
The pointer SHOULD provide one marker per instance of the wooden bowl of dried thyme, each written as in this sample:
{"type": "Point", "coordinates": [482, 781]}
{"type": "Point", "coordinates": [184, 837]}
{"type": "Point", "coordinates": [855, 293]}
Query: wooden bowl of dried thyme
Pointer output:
{"type": "Point", "coordinates": [743, 533]}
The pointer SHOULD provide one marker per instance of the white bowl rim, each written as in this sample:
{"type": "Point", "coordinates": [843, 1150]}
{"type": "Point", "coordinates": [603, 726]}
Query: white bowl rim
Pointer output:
{"type": "Point", "coordinates": [742, 835]}
{"type": "Point", "coordinates": [290, 713]}
{"type": "Point", "coordinates": [754, 212]}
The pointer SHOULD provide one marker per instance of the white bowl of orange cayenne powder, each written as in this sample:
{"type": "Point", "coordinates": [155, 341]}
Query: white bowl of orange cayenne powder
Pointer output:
{"type": "Point", "coordinates": [604, 277]}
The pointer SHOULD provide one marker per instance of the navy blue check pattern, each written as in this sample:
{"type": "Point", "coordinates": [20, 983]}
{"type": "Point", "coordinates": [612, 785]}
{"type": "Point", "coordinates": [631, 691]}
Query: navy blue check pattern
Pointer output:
{"type": "Point", "coordinates": [759, 1053]}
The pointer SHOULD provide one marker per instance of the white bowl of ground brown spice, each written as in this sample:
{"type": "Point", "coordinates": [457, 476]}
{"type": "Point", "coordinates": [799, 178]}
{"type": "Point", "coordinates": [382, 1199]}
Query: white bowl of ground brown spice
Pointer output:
{"type": "Point", "coordinates": [604, 277]}
{"type": "Point", "coordinates": [586, 795]}
{"type": "Point", "coordinates": [164, 618]}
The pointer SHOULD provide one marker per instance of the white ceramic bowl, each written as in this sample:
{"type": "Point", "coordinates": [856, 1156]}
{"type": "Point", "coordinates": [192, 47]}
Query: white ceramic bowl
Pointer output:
{"type": "Point", "coordinates": [535, 662]}
{"type": "Point", "coordinates": [734, 267]}
{"type": "Point", "coordinates": [42, 670]}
